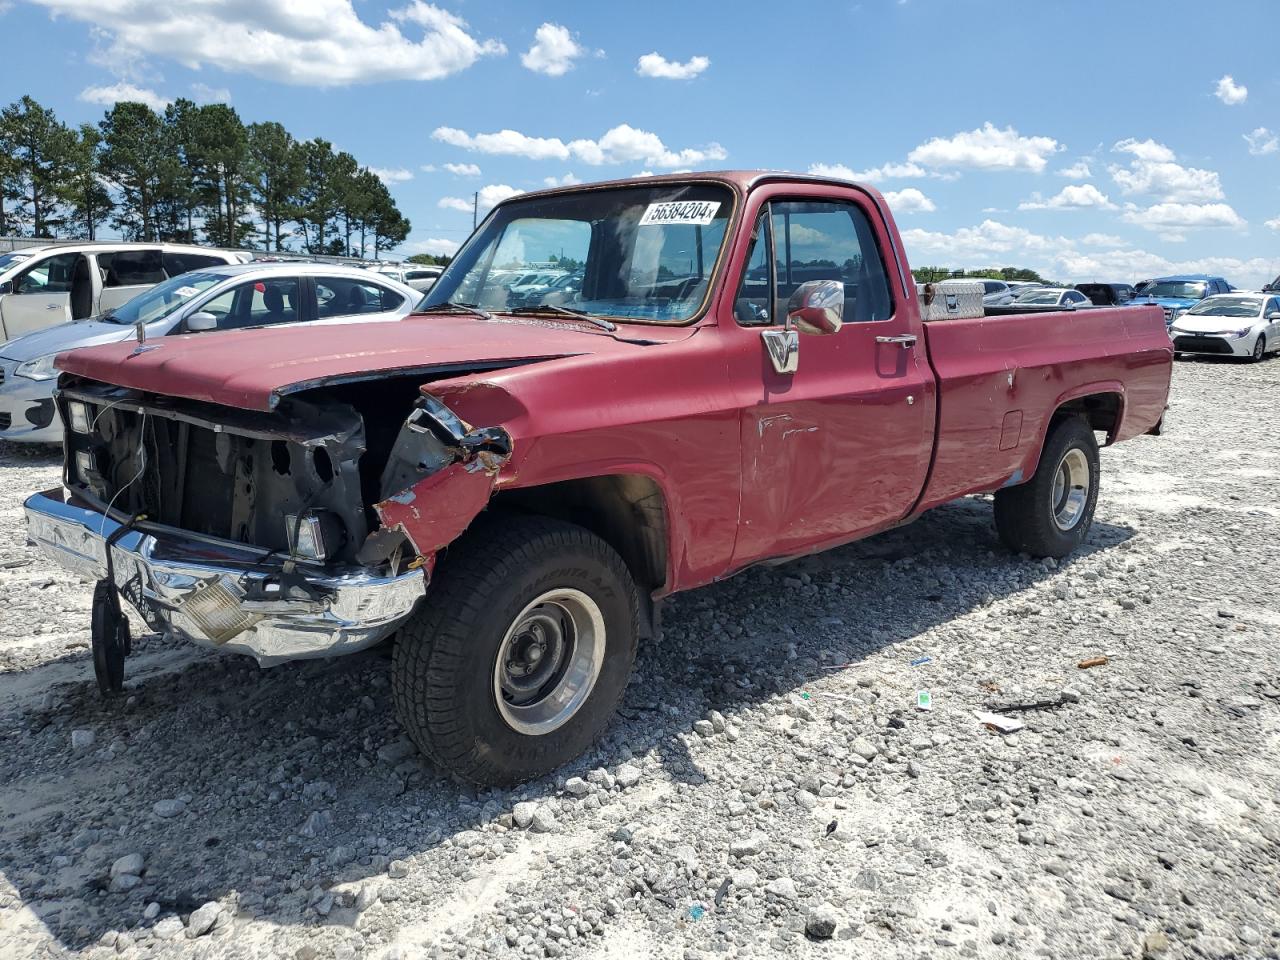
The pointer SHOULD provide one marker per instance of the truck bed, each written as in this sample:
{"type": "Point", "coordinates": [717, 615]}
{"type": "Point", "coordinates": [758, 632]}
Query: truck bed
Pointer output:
{"type": "Point", "coordinates": [1001, 377]}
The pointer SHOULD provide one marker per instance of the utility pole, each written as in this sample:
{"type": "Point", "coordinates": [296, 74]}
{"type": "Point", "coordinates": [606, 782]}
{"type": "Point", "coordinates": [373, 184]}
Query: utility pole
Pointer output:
{"type": "Point", "coordinates": [475, 208]}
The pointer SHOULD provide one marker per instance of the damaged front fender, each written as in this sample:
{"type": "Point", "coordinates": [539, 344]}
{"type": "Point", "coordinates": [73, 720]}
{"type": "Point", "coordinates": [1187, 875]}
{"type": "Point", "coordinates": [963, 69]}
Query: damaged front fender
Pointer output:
{"type": "Point", "coordinates": [440, 475]}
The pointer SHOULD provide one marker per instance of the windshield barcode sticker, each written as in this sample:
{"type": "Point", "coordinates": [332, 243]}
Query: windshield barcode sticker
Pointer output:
{"type": "Point", "coordinates": [185, 292]}
{"type": "Point", "coordinates": [696, 212]}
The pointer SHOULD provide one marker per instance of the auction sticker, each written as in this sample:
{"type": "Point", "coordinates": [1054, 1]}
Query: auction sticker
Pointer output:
{"type": "Point", "coordinates": [185, 292]}
{"type": "Point", "coordinates": [694, 212]}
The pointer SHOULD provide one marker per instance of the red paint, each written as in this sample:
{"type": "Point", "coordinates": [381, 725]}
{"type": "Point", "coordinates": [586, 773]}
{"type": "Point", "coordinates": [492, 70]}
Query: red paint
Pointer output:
{"type": "Point", "coordinates": [752, 464]}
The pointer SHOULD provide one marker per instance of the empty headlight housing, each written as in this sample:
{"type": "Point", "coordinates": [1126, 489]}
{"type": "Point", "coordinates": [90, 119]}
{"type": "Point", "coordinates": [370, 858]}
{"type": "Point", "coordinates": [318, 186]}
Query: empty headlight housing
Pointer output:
{"type": "Point", "coordinates": [41, 368]}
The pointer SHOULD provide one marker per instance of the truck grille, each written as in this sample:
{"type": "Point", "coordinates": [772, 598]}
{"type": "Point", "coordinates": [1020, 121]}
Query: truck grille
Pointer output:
{"type": "Point", "coordinates": [1168, 315]}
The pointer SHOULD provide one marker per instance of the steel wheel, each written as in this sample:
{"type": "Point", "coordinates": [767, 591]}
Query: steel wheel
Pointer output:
{"type": "Point", "coordinates": [548, 661]}
{"type": "Point", "coordinates": [1070, 489]}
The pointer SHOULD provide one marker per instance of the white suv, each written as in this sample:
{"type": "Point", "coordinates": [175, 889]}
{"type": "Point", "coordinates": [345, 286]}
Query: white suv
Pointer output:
{"type": "Point", "coordinates": [51, 284]}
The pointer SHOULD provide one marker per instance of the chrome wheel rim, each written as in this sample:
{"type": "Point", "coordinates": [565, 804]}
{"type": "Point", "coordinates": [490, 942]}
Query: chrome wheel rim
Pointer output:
{"type": "Point", "coordinates": [548, 661]}
{"type": "Point", "coordinates": [1071, 489]}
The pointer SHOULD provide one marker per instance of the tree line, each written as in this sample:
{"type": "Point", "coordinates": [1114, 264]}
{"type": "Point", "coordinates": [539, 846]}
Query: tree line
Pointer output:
{"type": "Point", "coordinates": [192, 173]}
{"type": "Point", "coordinates": [934, 274]}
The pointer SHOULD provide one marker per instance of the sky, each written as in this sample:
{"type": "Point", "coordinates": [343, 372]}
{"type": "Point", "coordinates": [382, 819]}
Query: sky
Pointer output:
{"type": "Point", "coordinates": [1087, 139]}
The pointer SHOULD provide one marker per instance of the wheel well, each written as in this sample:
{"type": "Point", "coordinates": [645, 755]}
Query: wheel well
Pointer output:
{"type": "Point", "coordinates": [627, 511]}
{"type": "Point", "coordinates": [1102, 410]}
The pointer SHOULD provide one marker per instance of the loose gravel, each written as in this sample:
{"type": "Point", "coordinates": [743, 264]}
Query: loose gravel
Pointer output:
{"type": "Point", "coordinates": [769, 787]}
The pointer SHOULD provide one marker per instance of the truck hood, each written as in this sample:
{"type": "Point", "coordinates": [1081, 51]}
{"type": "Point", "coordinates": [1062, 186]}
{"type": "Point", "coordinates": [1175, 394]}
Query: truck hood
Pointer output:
{"type": "Point", "coordinates": [253, 369]}
{"type": "Point", "coordinates": [65, 336]}
{"type": "Point", "coordinates": [1176, 303]}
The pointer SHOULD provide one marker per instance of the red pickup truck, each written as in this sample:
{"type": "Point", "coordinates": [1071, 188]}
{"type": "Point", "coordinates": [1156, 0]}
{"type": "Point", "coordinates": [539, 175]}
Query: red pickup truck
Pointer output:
{"type": "Point", "coordinates": [713, 370]}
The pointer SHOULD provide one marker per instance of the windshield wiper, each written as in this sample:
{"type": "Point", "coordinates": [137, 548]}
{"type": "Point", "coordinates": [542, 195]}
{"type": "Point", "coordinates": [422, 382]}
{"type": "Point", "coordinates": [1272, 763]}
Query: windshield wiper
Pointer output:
{"type": "Point", "coordinates": [600, 322]}
{"type": "Point", "coordinates": [470, 308]}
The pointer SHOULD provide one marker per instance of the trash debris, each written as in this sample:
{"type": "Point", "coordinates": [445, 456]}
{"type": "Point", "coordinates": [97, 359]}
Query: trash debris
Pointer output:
{"type": "Point", "coordinates": [924, 700]}
{"type": "Point", "coordinates": [831, 827]}
{"type": "Point", "coordinates": [724, 889]}
{"type": "Point", "coordinates": [921, 661]}
{"type": "Point", "coordinates": [1093, 662]}
{"type": "Point", "coordinates": [804, 695]}
{"type": "Point", "coordinates": [993, 721]}
{"type": "Point", "coordinates": [697, 911]}
{"type": "Point", "coordinates": [1010, 706]}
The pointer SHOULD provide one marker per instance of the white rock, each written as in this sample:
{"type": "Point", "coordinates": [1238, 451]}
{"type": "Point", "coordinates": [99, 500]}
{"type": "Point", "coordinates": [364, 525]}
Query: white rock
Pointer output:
{"type": "Point", "coordinates": [81, 739]}
{"type": "Point", "coordinates": [784, 888]}
{"type": "Point", "coordinates": [628, 775]}
{"type": "Point", "coordinates": [367, 897]}
{"type": "Point", "coordinates": [170, 928]}
{"type": "Point", "coordinates": [863, 748]}
{"type": "Point", "coordinates": [396, 751]}
{"type": "Point", "coordinates": [522, 813]}
{"type": "Point", "coordinates": [397, 869]}
{"type": "Point", "coordinates": [821, 922]}
{"type": "Point", "coordinates": [124, 883]}
{"type": "Point", "coordinates": [152, 911]}
{"type": "Point", "coordinates": [544, 821]}
{"type": "Point", "coordinates": [202, 919]}
{"type": "Point", "coordinates": [577, 786]}
{"type": "Point", "coordinates": [704, 728]}
{"type": "Point", "coordinates": [130, 863]}
{"type": "Point", "coordinates": [748, 846]}
{"type": "Point", "coordinates": [168, 808]}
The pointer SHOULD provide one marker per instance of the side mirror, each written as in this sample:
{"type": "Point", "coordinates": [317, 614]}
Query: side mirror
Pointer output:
{"type": "Point", "coordinates": [817, 307]}
{"type": "Point", "coordinates": [1273, 315]}
{"type": "Point", "coordinates": [201, 321]}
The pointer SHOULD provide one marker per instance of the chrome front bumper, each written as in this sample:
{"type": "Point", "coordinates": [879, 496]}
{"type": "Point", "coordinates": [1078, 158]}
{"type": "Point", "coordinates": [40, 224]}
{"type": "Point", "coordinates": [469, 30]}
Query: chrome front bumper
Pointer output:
{"type": "Point", "coordinates": [219, 594]}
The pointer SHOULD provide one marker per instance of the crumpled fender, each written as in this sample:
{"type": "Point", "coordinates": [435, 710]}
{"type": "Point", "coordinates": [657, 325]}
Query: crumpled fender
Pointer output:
{"type": "Point", "coordinates": [434, 512]}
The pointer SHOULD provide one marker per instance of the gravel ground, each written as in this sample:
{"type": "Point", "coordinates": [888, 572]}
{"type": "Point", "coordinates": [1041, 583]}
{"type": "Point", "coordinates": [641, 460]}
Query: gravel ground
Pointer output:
{"type": "Point", "coordinates": [769, 771]}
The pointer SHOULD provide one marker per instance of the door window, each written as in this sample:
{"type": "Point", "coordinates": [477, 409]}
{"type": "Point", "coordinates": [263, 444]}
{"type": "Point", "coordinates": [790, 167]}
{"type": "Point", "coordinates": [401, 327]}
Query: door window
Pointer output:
{"type": "Point", "coordinates": [51, 275]}
{"type": "Point", "coordinates": [752, 306]}
{"type": "Point", "coordinates": [345, 296]}
{"type": "Point", "coordinates": [257, 303]}
{"type": "Point", "coordinates": [830, 240]}
{"type": "Point", "coordinates": [131, 268]}
{"type": "Point", "coordinates": [182, 262]}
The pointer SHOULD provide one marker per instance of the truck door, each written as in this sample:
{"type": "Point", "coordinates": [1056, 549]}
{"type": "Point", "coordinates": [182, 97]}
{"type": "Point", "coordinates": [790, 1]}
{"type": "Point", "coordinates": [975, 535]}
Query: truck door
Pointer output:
{"type": "Point", "coordinates": [841, 446]}
{"type": "Point", "coordinates": [40, 296]}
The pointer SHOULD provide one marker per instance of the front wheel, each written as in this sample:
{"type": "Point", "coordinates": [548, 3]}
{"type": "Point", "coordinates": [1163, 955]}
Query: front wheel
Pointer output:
{"type": "Point", "coordinates": [1050, 514]}
{"type": "Point", "coordinates": [518, 659]}
{"type": "Point", "coordinates": [1259, 348]}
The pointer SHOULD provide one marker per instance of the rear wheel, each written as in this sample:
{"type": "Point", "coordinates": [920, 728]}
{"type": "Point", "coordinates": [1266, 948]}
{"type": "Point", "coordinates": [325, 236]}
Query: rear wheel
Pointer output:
{"type": "Point", "coordinates": [1050, 514]}
{"type": "Point", "coordinates": [1259, 348]}
{"type": "Point", "coordinates": [521, 654]}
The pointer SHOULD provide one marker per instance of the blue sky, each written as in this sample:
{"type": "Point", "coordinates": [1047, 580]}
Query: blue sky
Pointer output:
{"type": "Point", "coordinates": [1087, 139]}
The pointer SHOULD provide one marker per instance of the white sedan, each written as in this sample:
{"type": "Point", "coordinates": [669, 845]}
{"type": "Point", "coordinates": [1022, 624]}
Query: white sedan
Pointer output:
{"type": "Point", "coordinates": [1229, 325]}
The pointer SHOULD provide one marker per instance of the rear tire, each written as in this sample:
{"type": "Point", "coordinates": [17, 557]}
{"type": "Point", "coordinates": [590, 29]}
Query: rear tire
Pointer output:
{"type": "Point", "coordinates": [517, 661]}
{"type": "Point", "coordinates": [1050, 514]}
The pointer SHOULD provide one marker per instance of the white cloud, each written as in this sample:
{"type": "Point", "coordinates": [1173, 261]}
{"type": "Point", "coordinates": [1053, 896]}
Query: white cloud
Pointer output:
{"type": "Point", "coordinates": [428, 168]}
{"type": "Point", "coordinates": [1230, 92]}
{"type": "Point", "coordinates": [656, 65]}
{"type": "Point", "coordinates": [1102, 240]}
{"type": "Point", "coordinates": [488, 197]}
{"type": "Point", "coordinates": [993, 243]}
{"type": "Point", "coordinates": [1262, 141]}
{"type": "Point", "coordinates": [1274, 224]}
{"type": "Point", "coordinates": [1183, 216]}
{"type": "Point", "coordinates": [390, 175]}
{"type": "Point", "coordinates": [1077, 171]}
{"type": "Point", "coordinates": [622, 144]}
{"type": "Point", "coordinates": [463, 169]}
{"type": "Point", "coordinates": [888, 171]}
{"type": "Point", "coordinates": [909, 200]}
{"type": "Point", "coordinates": [203, 93]}
{"type": "Point", "coordinates": [553, 51]}
{"type": "Point", "coordinates": [987, 148]}
{"type": "Point", "coordinates": [1074, 196]}
{"type": "Point", "coordinates": [1154, 171]}
{"type": "Point", "coordinates": [322, 43]}
{"type": "Point", "coordinates": [108, 96]}
{"type": "Point", "coordinates": [437, 247]}
{"type": "Point", "coordinates": [566, 181]}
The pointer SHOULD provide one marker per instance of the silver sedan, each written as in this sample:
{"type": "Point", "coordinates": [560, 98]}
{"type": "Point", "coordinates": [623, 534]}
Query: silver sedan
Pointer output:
{"type": "Point", "coordinates": [215, 298]}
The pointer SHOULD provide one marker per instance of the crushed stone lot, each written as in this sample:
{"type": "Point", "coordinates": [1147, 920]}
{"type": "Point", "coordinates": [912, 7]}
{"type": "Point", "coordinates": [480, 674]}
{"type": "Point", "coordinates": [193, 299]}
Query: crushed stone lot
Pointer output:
{"type": "Point", "coordinates": [769, 787]}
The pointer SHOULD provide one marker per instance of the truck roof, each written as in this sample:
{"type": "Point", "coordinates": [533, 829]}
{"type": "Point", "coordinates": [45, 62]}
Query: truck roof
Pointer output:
{"type": "Point", "coordinates": [739, 180]}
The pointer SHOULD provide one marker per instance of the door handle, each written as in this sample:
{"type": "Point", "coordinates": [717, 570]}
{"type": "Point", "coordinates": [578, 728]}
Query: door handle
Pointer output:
{"type": "Point", "coordinates": [53, 306]}
{"type": "Point", "coordinates": [904, 340]}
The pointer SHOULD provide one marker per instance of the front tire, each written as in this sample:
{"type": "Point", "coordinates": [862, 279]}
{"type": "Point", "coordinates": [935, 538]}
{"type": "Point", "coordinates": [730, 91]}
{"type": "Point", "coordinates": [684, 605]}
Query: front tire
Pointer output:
{"type": "Point", "coordinates": [518, 659]}
{"type": "Point", "coordinates": [1259, 348]}
{"type": "Point", "coordinates": [1050, 515]}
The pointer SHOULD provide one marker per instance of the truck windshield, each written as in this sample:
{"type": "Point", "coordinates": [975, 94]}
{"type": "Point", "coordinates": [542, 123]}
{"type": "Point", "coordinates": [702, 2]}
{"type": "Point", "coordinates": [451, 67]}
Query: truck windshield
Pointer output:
{"type": "Point", "coordinates": [1179, 289]}
{"type": "Point", "coordinates": [1227, 307]}
{"type": "Point", "coordinates": [645, 253]}
{"type": "Point", "coordinates": [162, 299]}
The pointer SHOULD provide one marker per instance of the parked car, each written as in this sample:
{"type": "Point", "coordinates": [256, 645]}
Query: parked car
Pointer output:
{"type": "Point", "coordinates": [1107, 294]}
{"type": "Point", "coordinates": [45, 286]}
{"type": "Point", "coordinates": [1272, 287]}
{"type": "Point", "coordinates": [1176, 295]}
{"type": "Point", "coordinates": [553, 470]}
{"type": "Point", "coordinates": [1059, 298]}
{"type": "Point", "coordinates": [993, 291]}
{"type": "Point", "coordinates": [420, 276]}
{"type": "Point", "coordinates": [1231, 324]}
{"type": "Point", "coordinates": [215, 298]}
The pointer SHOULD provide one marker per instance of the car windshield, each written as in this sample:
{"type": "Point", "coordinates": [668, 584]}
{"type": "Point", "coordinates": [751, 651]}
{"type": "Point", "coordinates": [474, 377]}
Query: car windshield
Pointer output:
{"type": "Point", "coordinates": [8, 260]}
{"type": "Point", "coordinates": [1040, 296]}
{"type": "Point", "coordinates": [162, 299]}
{"type": "Point", "coordinates": [1227, 307]}
{"type": "Point", "coordinates": [642, 253]}
{"type": "Point", "coordinates": [1178, 289]}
